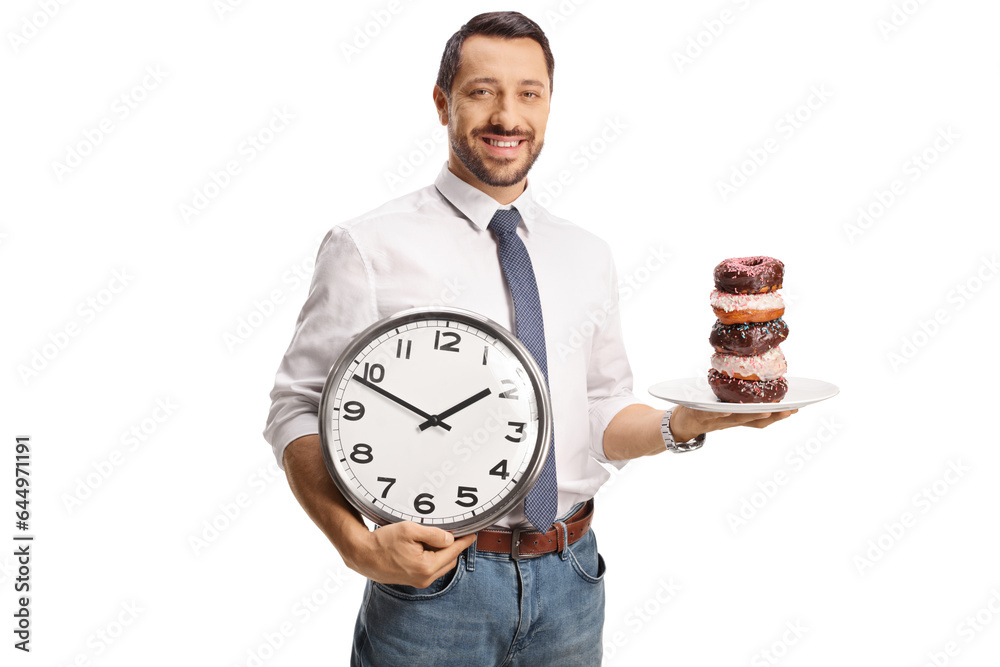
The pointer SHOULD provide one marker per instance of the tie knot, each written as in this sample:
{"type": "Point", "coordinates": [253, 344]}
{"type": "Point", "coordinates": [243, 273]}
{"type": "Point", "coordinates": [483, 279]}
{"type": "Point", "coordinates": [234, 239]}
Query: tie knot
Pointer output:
{"type": "Point", "coordinates": [504, 221]}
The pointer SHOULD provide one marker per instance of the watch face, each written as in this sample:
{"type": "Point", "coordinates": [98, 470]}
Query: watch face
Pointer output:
{"type": "Point", "coordinates": [435, 416]}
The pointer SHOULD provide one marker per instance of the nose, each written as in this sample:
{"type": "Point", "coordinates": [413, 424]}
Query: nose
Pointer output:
{"type": "Point", "coordinates": [504, 114]}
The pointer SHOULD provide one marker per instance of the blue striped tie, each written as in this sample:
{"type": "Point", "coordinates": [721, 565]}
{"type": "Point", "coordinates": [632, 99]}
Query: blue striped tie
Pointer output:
{"type": "Point", "coordinates": [542, 501]}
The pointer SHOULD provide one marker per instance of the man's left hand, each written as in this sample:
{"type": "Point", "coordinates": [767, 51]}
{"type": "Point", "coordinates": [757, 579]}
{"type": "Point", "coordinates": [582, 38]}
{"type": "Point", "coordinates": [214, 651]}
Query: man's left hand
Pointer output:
{"type": "Point", "coordinates": [687, 423]}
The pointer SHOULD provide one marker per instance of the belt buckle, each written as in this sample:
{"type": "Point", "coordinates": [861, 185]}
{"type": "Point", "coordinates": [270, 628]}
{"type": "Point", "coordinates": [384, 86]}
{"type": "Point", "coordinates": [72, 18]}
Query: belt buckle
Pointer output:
{"type": "Point", "coordinates": [515, 542]}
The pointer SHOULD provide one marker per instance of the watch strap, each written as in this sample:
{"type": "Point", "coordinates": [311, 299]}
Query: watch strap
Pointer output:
{"type": "Point", "coordinates": [678, 447]}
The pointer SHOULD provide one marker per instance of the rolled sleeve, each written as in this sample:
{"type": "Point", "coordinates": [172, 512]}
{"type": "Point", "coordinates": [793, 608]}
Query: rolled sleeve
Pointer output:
{"type": "Point", "coordinates": [341, 304]}
{"type": "Point", "coordinates": [609, 376]}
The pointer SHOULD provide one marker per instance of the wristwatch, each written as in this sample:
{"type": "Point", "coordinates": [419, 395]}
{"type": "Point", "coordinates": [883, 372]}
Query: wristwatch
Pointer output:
{"type": "Point", "coordinates": [678, 447]}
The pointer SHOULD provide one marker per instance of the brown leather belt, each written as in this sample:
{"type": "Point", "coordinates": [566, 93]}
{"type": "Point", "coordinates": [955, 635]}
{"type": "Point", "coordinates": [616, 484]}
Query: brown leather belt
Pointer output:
{"type": "Point", "coordinates": [518, 542]}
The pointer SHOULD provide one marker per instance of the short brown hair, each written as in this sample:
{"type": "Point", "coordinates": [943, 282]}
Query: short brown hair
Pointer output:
{"type": "Point", "coordinates": [507, 25]}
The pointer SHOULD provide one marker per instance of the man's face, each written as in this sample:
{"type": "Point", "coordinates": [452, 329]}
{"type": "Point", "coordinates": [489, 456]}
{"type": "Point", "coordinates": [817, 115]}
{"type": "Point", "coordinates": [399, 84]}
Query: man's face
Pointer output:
{"type": "Point", "coordinates": [499, 107]}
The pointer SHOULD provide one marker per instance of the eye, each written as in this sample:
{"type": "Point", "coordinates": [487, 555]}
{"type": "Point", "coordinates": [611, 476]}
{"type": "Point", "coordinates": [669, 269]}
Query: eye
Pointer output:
{"type": "Point", "coordinates": [480, 92]}
{"type": "Point", "coordinates": [531, 93]}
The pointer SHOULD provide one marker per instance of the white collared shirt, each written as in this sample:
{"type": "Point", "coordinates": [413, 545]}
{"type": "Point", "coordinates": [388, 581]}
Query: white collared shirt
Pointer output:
{"type": "Point", "coordinates": [431, 248]}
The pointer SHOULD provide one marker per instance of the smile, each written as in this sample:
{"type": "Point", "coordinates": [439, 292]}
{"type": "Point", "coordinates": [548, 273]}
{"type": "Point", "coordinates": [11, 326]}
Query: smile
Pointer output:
{"type": "Point", "coordinates": [502, 144]}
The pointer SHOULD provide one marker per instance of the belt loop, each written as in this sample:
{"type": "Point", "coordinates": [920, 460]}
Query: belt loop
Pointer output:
{"type": "Point", "coordinates": [562, 539]}
{"type": "Point", "coordinates": [470, 558]}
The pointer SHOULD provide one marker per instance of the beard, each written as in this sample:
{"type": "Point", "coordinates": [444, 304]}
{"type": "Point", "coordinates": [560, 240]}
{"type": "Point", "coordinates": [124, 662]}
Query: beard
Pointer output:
{"type": "Point", "coordinates": [508, 173]}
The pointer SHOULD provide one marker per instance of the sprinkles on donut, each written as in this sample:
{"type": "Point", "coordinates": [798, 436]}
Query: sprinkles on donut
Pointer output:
{"type": "Point", "coordinates": [748, 338]}
{"type": "Point", "coordinates": [749, 275]}
{"type": "Point", "coordinates": [748, 366]}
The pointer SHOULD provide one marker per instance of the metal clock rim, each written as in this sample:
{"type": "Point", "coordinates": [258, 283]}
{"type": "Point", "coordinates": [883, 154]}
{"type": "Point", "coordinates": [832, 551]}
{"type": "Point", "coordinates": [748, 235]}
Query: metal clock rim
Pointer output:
{"type": "Point", "coordinates": [539, 386]}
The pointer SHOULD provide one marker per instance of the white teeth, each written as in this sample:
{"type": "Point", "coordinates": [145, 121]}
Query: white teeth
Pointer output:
{"type": "Point", "coordinates": [503, 144]}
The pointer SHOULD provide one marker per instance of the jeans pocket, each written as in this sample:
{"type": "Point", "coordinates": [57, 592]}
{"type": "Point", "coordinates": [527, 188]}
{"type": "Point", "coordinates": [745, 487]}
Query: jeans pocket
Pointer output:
{"type": "Point", "coordinates": [438, 587]}
{"type": "Point", "coordinates": [586, 560]}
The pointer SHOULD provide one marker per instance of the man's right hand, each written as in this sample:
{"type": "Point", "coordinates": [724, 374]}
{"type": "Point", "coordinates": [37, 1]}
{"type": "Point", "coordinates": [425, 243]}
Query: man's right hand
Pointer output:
{"type": "Point", "coordinates": [408, 553]}
{"type": "Point", "coordinates": [401, 553]}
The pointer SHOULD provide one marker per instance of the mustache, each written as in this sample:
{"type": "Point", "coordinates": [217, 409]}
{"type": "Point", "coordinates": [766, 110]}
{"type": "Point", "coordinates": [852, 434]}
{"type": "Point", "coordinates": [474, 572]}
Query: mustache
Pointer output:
{"type": "Point", "coordinates": [501, 132]}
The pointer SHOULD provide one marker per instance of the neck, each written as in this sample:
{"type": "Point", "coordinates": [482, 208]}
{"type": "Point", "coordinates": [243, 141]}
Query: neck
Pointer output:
{"type": "Point", "coordinates": [503, 195]}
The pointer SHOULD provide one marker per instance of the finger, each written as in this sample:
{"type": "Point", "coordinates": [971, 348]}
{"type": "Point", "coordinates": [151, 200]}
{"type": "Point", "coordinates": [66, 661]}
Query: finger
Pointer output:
{"type": "Point", "coordinates": [436, 538]}
{"type": "Point", "coordinates": [746, 418]}
{"type": "Point", "coordinates": [445, 558]}
{"type": "Point", "coordinates": [767, 422]}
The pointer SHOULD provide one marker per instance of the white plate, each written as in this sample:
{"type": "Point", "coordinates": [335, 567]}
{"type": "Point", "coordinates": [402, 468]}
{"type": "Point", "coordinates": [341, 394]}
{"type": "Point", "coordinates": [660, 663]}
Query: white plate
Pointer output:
{"type": "Point", "coordinates": [695, 393]}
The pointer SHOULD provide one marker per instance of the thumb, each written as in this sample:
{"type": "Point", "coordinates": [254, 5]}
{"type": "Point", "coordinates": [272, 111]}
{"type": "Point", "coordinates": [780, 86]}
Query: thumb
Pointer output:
{"type": "Point", "coordinates": [433, 537]}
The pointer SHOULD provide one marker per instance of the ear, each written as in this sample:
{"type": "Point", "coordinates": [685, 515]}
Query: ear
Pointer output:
{"type": "Point", "coordinates": [441, 104]}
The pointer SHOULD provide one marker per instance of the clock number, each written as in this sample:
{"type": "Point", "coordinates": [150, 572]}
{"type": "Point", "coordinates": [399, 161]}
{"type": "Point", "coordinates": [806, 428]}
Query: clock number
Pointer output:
{"type": "Point", "coordinates": [518, 430]}
{"type": "Point", "coordinates": [423, 504]}
{"type": "Point", "coordinates": [362, 453]}
{"type": "Point", "coordinates": [486, 351]}
{"type": "Point", "coordinates": [500, 470]}
{"type": "Point", "coordinates": [510, 393]}
{"type": "Point", "coordinates": [468, 492]}
{"type": "Point", "coordinates": [373, 374]}
{"type": "Point", "coordinates": [391, 480]}
{"type": "Point", "coordinates": [399, 348]}
{"type": "Point", "coordinates": [354, 410]}
{"type": "Point", "coordinates": [450, 346]}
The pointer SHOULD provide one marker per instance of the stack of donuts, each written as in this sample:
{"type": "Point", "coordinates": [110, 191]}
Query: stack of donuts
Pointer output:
{"type": "Point", "coordinates": [748, 366]}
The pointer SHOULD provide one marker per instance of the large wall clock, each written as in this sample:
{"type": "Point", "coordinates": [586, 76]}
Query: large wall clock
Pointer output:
{"type": "Point", "coordinates": [438, 416]}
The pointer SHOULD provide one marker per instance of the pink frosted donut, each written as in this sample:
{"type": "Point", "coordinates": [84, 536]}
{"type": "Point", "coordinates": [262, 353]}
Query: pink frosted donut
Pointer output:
{"type": "Point", "coordinates": [737, 308]}
{"type": "Point", "coordinates": [768, 366]}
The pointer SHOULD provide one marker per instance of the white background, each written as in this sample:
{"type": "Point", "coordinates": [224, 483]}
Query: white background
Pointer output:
{"type": "Point", "coordinates": [205, 306]}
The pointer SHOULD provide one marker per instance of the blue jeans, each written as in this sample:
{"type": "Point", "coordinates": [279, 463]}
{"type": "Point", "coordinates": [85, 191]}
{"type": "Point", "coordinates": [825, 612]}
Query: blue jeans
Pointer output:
{"type": "Point", "coordinates": [490, 610]}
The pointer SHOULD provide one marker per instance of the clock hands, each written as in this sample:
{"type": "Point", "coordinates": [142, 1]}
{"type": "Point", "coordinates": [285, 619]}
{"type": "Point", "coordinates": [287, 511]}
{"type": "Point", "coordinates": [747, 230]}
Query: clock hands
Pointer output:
{"type": "Point", "coordinates": [434, 420]}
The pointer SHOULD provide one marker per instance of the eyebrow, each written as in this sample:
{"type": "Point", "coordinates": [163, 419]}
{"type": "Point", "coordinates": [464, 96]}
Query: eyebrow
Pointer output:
{"type": "Point", "coordinates": [490, 79]}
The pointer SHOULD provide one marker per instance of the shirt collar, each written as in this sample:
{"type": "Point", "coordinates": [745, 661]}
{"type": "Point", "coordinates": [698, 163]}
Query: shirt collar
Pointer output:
{"type": "Point", "coordinates": [478, 206]}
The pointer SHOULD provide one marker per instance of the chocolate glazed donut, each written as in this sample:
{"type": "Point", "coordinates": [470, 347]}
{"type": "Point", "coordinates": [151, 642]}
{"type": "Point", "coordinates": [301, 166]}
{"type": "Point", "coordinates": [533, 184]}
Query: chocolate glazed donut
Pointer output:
{"type": "Point", "coordinates": [749, 275]}
{"type": "Point", "coordinates": [748, 339]}
{"type": "Point", "coordinates": [732, 390]}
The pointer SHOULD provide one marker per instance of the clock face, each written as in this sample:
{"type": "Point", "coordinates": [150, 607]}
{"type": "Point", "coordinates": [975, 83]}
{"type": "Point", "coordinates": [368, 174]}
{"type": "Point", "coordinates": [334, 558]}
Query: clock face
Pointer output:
{"type": "Point", "coordinates": [435, 416]}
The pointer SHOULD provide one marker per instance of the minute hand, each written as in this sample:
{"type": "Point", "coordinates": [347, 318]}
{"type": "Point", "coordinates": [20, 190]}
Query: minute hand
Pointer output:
{"type": "Point", "coordinates": [435, 419]}
{"type": "Point", "coordinates": [432, 420]}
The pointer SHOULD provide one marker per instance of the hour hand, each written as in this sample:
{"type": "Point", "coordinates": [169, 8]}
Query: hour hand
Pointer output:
{"type": "Point", "coordinates": [435, 420]}
{"type": "Point", "coordinates": [432, 420]}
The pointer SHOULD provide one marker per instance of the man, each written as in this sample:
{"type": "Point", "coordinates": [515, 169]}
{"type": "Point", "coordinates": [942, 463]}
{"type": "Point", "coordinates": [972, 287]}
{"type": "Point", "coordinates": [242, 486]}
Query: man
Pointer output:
{"type": "Point", "coordinates": [433, 599]}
